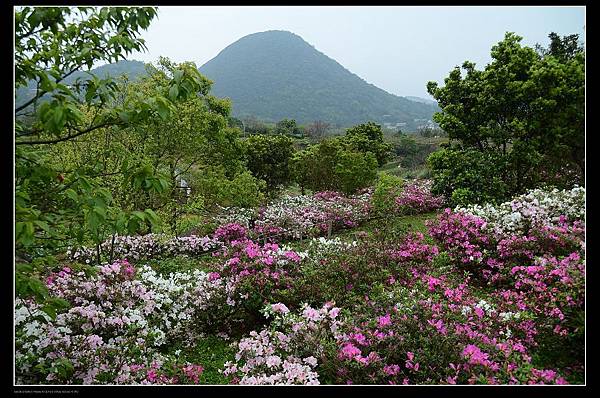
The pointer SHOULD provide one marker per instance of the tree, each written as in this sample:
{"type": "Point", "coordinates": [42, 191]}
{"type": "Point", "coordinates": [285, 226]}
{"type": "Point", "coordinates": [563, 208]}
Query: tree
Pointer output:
{"type": "Point", "coordinates": [317, 130]}
{"type": "Point", "coordinates": [52, 43]}
{"type": "Point", "coordinates": [354, 170]}
{"type": "Point", "coordinates": [54, 203]}
{"type": "Point", "coordinates": [563, 48]}
{"type": "Point", "coordinates": [524, 112]}
{"type": "Point", "coordinates": [268, 157]}
{"type": "Point", "coordinates": [429, 131]}
{"type": "Point", "coordinates": [252, 125]}
{"type": "Point", "coordinates": [333, 164]}
{"type": "Point", "coordinates": [368, 137]}
{"type": "Point", "coordinates": [288, 127]}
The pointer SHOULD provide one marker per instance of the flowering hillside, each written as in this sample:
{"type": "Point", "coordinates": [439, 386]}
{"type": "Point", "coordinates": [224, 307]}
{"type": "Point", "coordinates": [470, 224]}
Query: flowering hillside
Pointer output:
{"type": "Point", "coordinates": [487, 298]}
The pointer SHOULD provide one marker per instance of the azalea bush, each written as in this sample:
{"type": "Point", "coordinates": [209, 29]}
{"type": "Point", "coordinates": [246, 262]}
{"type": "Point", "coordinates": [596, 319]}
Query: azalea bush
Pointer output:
{"type": "Point", "coordinates": [116, 323]}
{"type": "Point", "coordinates": [479, 300]}
{"type": "Point", "coordinates": [416, 197]}
{"type": "Point", "coordinates": [254, 274]}
{"type": "Point", "coordinates": [534, 209]}
{"type": "Point", "coordinates": [435, 332]}
{"type": "Point", "coordinates": [288, 352]}
{"type": "Point", "coordinates": [143, 247]}
{"type": "Point", "coordinates": [296, 216]}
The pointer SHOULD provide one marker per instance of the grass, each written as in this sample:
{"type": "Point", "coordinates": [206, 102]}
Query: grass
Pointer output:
{"type": "Point", "coordinates": [211, 352]}
{"type": "Point", "coordinates": [392, 224]}
{"type": "Point", "coordinates": [165, 266]}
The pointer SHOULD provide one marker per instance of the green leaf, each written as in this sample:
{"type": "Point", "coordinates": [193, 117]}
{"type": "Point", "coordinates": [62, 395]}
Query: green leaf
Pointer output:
{"type": "Point", "coordinates": [140, 215]}
{"type": "Point", "coordinates": [71, 194]}
{"type": "Point", "coordinates": [43, 225]}
{"type": "Point", "coordinates": [162, 110]}
{"type": "Point", "coordinates": [152, 216]}
{"type": "Point", "coordinates": [58, 303]}
{"type": "Point", "coordinates": [101, 211]}
{"type": "Point", "coordinates": [173, 92]}
{"type": "Point", "coordinates": [91, 92]}
{"type": "Point", "coordinates": [37, 288]}
{"type": "Point", "coordinates": [178, 75]}
{"type": "Point", "coordinates": [24, 232]}
{"type": "Point", "coordinates": [50, 310]}
{"type": "Point", "coordinates": [24, 268]}
{"type": "Point", "coordinates": [46, 84]}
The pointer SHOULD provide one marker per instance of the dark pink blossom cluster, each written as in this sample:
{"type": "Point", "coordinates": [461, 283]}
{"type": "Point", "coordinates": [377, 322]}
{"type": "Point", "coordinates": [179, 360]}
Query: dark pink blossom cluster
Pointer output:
{"type": "Point", "coordinates": [462, 236]}
{"type": "Point", "coordinates": [438, 333]}
{"type": "Point", "coordinates": [230, 232]}
{"type": "Point", "coordinates": [416, 197]}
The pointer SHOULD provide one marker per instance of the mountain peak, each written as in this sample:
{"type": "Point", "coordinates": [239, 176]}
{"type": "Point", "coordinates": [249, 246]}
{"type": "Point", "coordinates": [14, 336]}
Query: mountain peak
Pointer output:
{"type": "Point", "coordinates": [276, 74]}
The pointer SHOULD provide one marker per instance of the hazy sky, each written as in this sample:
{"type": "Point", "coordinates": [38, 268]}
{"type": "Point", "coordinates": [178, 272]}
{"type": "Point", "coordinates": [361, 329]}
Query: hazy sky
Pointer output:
{"type": "Point", "coordinates": [397, 48]}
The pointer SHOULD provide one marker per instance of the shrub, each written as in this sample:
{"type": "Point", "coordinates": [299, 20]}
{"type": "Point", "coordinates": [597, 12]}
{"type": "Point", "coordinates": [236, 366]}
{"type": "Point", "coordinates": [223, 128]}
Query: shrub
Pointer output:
{"type": "Point", "coordinates": [334, 165]}
{"type": "Point", "coordinates": [117, 321]}
{"type": "Point", "coordinates": [268, 157]}
{"type": "Point", "coordinates": [289, 351]}
{"type": "Point", "coordinates": [468, 176]}
{"type": "Point", "coordinates": [387, 188]}
{"type": "Point", "coordinates": [416, 197]}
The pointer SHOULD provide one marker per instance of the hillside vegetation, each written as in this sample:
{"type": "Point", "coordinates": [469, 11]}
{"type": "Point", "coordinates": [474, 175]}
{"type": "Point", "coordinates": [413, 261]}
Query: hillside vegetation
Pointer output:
{"type": "Point", "coordinates": [276, 74]}
{"type": "Point", "coordinates": [161, 241]}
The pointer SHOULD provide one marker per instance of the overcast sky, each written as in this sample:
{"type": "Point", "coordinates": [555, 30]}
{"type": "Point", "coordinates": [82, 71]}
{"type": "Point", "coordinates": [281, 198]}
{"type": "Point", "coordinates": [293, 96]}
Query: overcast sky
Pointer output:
{"type": "Point", "coordinates": [397, 48]}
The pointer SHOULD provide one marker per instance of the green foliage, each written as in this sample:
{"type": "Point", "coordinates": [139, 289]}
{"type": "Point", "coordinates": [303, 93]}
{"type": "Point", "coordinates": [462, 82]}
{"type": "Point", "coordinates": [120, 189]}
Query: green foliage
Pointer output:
{"type": "Point", "coordinates": [345, 163]}
{"type": "Point", "coordinates": [333, 164]}
{"type": "Point", "coordinates": [49, 49]}
{"type": "Point", "coordinates": [368, 137]}
{"type": "Point", "coordinates": [251, 125]}
{"type": "Point", "coordinates": [428, 131]}
{"type": "Point", "coordinates": [314, 167]}
{"type": "Point", "coordinates": [468, 176]}
{"type": "Point", "coordinates": [268, 159]}
{"type": "Point", "coordinates": [215, 189]}
{"type": "Point", "coordinates": [413, 151]}
{"type": "Point", "coordinates": [28, 284]}
{"type": "Point", "coordinates": [354, 170]}
{"type": "Point", "coordinates": [59, 202]}
{"type": "Point", "coordinates": [524, 113]}
{"type": "Point", "coordinates": [74, 191]}
{"type": "Point", "coordinates": [289, 127]}
{"type": "Point", "coordinates": [387, 189]}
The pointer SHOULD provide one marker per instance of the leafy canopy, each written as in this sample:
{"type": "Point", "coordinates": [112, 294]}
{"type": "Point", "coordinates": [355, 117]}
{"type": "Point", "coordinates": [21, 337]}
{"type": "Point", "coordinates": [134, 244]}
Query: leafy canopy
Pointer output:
{"type": "Point", "coordinates": [524, 113]}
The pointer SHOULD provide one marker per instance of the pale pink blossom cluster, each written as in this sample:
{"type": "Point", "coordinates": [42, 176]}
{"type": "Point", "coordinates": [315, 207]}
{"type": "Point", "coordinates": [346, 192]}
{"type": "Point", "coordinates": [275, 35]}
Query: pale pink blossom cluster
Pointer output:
{"type": "Point", "coordinates": [285, 353]}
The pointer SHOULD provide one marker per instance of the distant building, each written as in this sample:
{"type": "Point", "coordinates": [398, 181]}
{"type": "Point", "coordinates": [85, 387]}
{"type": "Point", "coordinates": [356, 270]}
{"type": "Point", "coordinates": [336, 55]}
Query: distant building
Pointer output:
{"type": "Point", "coordinates": [394, 125]}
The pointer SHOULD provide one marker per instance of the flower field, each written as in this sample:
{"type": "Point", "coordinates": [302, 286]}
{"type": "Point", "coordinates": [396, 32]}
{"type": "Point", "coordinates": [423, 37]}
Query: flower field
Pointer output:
{"type": "Point", "coordinates": [315, 290]}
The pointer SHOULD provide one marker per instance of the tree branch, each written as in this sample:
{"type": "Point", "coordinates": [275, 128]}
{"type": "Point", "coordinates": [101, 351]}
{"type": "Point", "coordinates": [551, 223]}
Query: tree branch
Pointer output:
{"type": "Point", "coordinates": [42, 92]}
{"type": "Point", "coordinates": [79, 132]}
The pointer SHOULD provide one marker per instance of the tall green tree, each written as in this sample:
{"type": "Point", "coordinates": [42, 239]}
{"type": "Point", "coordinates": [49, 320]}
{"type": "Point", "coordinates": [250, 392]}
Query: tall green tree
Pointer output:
{"type": "Point", "coordinates": [57, 203]}
{"type": "Point", "coordinates": [268, 158]}
{"type": "Point", "coordinates": [368, 137]}
{"type": "Point", "coordinates": [333, 164]}
{"type": "Point", "coordinates": [524, 112]}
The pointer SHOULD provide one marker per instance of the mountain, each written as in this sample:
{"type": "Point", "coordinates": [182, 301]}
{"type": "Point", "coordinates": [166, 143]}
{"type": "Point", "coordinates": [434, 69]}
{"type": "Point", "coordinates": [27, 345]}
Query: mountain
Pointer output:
{"type": "Point", "coordinates": [421, 100]}
{"type": "Point", "coordinates": [131, 69]}
{"type": "Point", "coordinates": [276, 74]}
